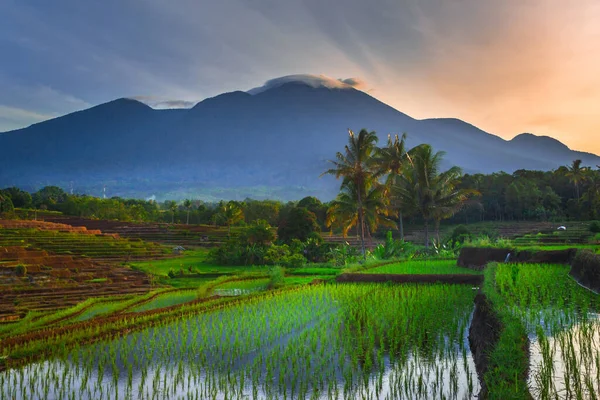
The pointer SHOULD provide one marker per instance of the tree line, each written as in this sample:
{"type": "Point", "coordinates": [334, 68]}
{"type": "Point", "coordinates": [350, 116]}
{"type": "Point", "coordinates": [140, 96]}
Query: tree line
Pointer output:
{"type": "Point", "coordinates": [381, 188]}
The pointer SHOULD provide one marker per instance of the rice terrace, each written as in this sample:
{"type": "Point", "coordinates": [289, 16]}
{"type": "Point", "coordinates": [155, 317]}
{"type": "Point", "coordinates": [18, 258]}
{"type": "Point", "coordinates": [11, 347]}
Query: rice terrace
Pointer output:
{"type": "Point", "coordinates": [299, 200]}
{"type": "Point", "coordinates": [113, 298]}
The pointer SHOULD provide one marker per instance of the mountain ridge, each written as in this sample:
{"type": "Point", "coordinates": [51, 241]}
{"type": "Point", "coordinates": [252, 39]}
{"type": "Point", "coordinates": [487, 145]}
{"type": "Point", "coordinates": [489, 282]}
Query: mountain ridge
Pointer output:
{"type": "Point", "coordinates": [274, 139]}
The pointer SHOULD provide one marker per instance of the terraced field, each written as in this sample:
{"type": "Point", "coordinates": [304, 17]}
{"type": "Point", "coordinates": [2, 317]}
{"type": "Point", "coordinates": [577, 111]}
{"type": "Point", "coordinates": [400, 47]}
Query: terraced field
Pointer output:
{"type": "Point", "coordinates": [48, 266]}
{"type": "Point", "coordinates": [187, 236]}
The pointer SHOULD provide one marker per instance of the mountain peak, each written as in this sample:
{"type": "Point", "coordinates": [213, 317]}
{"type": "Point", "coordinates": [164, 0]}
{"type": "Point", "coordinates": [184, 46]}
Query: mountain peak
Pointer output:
{"type": "Point", "coordinates": [124, 102]}
{"type": "Point", "coordinates": [539, 140]}
{"type": "Point", "coordinates": [314, 81]}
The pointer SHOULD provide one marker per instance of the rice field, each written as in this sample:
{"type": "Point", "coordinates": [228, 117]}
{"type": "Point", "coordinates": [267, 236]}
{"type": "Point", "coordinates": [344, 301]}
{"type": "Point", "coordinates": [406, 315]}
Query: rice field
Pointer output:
{"type": "Point", "coordinates": [563, 327]}
{"type": "Point", "coordinates": [421, 267]}
{"type": "Point", "coordinates": [326, 341]}
{"type": "Point", "coordinates": [167, 300]}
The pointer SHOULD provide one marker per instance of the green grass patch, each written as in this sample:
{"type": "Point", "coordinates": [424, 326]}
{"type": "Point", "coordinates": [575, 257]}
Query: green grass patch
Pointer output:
{"type": "Point", "coordinates": [250, 284]}
{"type": "Point", "coordinates": [421, 268]}
{"type": "Point", "coordinates": [506, 377]}
{"type": "Point", "coordinates": [313, 271]}
{"type": "Point", "coordinates": [167, 300]}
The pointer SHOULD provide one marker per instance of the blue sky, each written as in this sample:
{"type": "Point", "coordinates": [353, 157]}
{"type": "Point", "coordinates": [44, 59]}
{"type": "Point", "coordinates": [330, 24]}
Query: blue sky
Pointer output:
{"type": "Point", "coordinates": [505, 66]}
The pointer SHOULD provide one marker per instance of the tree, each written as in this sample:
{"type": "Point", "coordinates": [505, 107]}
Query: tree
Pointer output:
{"type": "Point", "coordinates": [448, 198]}
{"type": "Point", "coordinates": [576, 175]}
{"type": "Point", "coordinates": [592, 194]}
{"type": "Point", "coordinates": [298, 224]}
{"type": "Point", "coordinates": [356, 168]}
{"type": "Point", "coordinates": [187, 203]}
{"type": "Point", "coordinates": [261, 209]}
{"type": "Point", "coordinates": [171, 205]}
{"type": "Point", "coordinates": [427, 192]}
{"type": "Point", "coordinates": [6, 204]}
{"type": "Point", "coordinates": [231, 213]}
{"type": "Point", "coordinates": [49, 196]}
{"type": "Point", "coordinates": [315, 206]}
{"type": "Point", "coordinates": [343, 212]}
{"type": "Point", "coordinates": [391, 162]}
{"type": "Point", "coordinates": [257, 233]}
{"type": "Point", "coordinates": [19, 198]}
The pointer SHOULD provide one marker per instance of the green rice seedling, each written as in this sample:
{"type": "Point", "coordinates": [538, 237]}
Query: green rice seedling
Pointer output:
{"type": "Point", "coordinates": [421, 267]}
{"type": "Point", "coordinates": [325, 341]}
{"type": "Point", "coordinates": [561, 319]}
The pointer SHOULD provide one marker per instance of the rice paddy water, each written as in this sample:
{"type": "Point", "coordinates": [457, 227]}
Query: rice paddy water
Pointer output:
{"type": "Point", "coordinates": [564, 329]}
{"type": "Point", "coordinates": [329, 341]}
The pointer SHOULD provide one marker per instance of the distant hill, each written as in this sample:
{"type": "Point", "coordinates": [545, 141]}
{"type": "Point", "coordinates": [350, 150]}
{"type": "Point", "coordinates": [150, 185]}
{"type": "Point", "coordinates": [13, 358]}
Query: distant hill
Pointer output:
{"type": "Point", "coordinates": [272, 143]}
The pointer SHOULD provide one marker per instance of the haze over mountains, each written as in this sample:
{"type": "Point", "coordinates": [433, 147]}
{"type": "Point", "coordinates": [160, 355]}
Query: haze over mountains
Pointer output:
{"type": "Point", "coordinates": [269, 142]}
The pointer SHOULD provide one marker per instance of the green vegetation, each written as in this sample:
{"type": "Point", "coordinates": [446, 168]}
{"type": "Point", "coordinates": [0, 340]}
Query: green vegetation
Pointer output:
{"type": "Point", "coordinates": [542, 301]}
{"type": "Point", "coordinates": [508, 361]}
{"type": "Point", "coordinates": [421, 267]}
{"type": "Point", "coordinates": [167, 300]}
{"type": "Point", "coordinates": [73, 243]}
{"type": "Point", "coordinates": [352, 341]}
{"type": "Point", "coordinates": [20, 270]}
{"type": "Point", "coordinates": [243, 320]}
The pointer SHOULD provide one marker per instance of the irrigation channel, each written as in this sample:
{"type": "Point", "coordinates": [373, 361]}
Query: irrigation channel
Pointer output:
{"type": "Point", "coordinates": [345, 341]}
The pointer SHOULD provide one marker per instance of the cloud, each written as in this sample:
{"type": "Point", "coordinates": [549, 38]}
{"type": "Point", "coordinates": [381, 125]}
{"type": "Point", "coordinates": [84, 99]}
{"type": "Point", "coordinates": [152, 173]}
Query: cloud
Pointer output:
{"type": "Point", "coordinates": [15, 118]}
{"type": "Point", "coordinates": [310, 80]}
{"type": "Point", "coordinates": [356, 83]}
{"type": "Point", "coordinates": [161, 104]}
{"type": "Point", "coordinates": [506, 66]}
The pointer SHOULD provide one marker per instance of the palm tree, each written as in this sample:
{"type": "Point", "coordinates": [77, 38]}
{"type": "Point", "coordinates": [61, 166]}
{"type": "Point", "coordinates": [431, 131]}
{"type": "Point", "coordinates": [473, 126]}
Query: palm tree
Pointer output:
{"type": "Point", "coordinates": [171, 205]}
{"type": "Point", "coordinates": [355, 166]}
{"type": "Point", "coordinates": [343, 212]}
{"type": "Point", "coordinates": [232, 213]}
{"type": "Point", "coordinates": [391, 162]}
{"type": "Point", "coordinates": [576, 174]}
{"type": "Point", "coordinates": [449, 199]}
{"type": "Point", "coordinates": [592, 195]}
{"type": "Point", "coordinates": [425, 191]}
{"type": "Point", "coordinates": [187, 203]}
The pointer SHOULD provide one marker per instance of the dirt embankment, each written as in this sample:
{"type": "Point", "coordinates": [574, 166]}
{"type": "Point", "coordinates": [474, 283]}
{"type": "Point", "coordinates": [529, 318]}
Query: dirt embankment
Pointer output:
{"type": "Point", "coordinates": [468, 279]}
{"type": "Point", "coordinates": [585, 268]}
{"type": "Point", "coordinates": [565, 256]}
{"type": "Point", "coordinates": [484, 334]}
{"type": "Point", "coordinates": [477, 257]}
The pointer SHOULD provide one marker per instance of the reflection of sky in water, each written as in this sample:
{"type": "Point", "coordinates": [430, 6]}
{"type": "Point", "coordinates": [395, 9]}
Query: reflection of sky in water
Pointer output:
{"type": "Point", "coordinates": [181, 361]}
{"type": "Point", "coordinates": [566, 361]}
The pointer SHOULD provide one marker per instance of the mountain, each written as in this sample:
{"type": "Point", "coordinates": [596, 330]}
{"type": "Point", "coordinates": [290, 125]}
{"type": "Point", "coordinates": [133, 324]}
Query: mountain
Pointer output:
{"type": "Point", "coordinates": [269, 142]}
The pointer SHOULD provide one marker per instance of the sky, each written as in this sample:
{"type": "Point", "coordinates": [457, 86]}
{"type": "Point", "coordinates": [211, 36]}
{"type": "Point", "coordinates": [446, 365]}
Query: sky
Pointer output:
{"type": "Point", "coordinates": [506, 66]}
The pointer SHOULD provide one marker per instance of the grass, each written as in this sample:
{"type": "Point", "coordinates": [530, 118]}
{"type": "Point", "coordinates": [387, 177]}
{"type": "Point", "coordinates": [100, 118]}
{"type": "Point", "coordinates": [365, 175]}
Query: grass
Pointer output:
{"type": "Point", "coordinates": [508, 361]}
{"type": "Point", "coordinates": [245, 284]}
{"type": "Point", "coordinates": [314, 271]}
{"type": "Point", "coordinates": [196, 259]}
{"type": "Point", "coordinates": [421, 267]}
{"type": "Point", "coordinates": [167, 300]}
{"type": "Point", "coordinates": [185, 283]}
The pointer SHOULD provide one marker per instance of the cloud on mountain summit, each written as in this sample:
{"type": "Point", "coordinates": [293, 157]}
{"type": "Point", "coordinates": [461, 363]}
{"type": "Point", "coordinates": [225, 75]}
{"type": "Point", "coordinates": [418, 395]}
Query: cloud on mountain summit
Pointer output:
{"type": "Point", "coordinates": [505, 66]}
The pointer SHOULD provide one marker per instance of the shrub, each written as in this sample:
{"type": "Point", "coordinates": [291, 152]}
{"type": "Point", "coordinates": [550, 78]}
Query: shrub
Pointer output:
{"type": "Point", "coordinates": [343, 255]}
{"type": "Point", "coordinates": [172, 273]}
{"type": "Point", "coordinates": [21, 270]}
{"type": "Point", "coordinates": [276, 277]}
{"type": "Point", "coordinates": [460, 234]}
{"type": "Point", "coordinates": [595, 227]}
{"type": "Point", "coordinates": [393, 248]}
{"type": "Point", "coordinates": [275, 254]}
{"type": "Point", "coordinates": [293, 261]}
